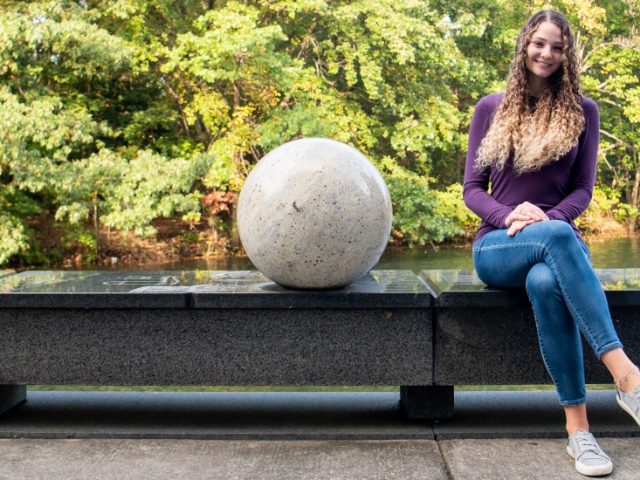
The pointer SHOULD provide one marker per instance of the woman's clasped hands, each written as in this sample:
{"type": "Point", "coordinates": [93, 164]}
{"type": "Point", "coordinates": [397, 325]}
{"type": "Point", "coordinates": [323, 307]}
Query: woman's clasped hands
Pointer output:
{"type": "Point", "coordinates": [523, 215]}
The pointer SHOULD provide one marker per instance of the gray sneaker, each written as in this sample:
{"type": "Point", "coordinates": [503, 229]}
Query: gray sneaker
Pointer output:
{"type": "Point", "coordinates": [589, 457]}
{"type": "Point", "coordinates": [630, 402]}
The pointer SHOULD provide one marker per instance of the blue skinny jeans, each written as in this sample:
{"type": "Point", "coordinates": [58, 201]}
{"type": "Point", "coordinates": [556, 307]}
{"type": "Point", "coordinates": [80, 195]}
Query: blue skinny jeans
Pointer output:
{"type": "Point", "coordinates": [555, 267]}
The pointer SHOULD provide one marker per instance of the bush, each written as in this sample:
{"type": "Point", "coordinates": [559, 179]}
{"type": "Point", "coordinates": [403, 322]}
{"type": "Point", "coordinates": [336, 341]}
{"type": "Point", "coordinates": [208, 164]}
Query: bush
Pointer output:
{"type": "Point", "coordinates": [422, 216]}
{"type": "Point", "coordinates": [606, 212]}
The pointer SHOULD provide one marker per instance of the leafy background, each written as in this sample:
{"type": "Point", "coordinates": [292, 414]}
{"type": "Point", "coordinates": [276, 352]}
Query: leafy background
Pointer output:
{"type": "Point", "coordinates": [127, 121]}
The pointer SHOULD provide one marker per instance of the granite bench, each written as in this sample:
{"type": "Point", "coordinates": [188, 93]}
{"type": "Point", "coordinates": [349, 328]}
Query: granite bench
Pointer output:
{"type": "Point", "coordinates": [424, 333]}
{"type": "Point", "coordinates": [214, 328]}
{"type": "Point", "coordinates": [485, 336]}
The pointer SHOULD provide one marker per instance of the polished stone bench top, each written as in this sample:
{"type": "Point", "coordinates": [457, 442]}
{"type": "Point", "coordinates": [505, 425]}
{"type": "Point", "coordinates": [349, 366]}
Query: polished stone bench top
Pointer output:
{"type": "Point", "coordinates": [462, 288]}
{"type": "Point", "coordinates": [240, 289]}
{"type": "Point", "coordinates": [236, 289]}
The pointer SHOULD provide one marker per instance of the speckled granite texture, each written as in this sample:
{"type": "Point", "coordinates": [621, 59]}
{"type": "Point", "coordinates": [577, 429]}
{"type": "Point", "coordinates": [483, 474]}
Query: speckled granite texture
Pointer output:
{"type": "Point", "coordinates": [212, 328]}
{"type": "Point", "coordinates": [488, 336]}
{"type": "Point", "coordinates": [314, 213]}
{"type": "Point", "coordinates": [223, 347]}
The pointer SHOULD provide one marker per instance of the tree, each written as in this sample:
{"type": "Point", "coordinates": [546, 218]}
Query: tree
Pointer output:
{"type": "Point", "coordinates": [73, 94]}
{"type": "Point", "coordinates": [118, 112]}
{"type": "Point", "coordinates": [610, 41]}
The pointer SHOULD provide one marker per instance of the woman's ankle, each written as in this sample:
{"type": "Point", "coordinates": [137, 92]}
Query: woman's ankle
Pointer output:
{"type": "Point", "coordinates": [572, 429]}
{"type": "Point", "coordinates": [576, 419]}
{"type": "Point", "coordinates": [629, 381]}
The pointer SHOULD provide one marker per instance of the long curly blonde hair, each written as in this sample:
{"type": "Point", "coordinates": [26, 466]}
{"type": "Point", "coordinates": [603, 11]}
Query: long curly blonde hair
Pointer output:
{"type": "Point", "coordinates": [541, 134]}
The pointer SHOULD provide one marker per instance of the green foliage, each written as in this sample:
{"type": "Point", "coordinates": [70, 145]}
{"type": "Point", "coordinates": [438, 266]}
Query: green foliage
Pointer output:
{"type": "Point", "coordinates": [84, 132]}
{"type": "Point", "coordinates": [611, 43]}
{"type": "Point", "coordinates": [453, 211]}
{"type": "Point", "coordinates": [152, 186]}
{"type": "Point", "coordinates": [84, 243]}
{"type": "Point", "coordinates": [422, 216]}
{"type": "Point", "coordinates": [129, 194]}
{"type": "Point", "coordinates": [606, 207]}
{"type": "Point", "coordinates": [13, 237]}
{"type": "Point", "coordinates": [119, 112]}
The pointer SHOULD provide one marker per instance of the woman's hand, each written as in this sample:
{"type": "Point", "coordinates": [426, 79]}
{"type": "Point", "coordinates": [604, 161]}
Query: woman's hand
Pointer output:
{"type": "Point", "coordinates": [523, 215]}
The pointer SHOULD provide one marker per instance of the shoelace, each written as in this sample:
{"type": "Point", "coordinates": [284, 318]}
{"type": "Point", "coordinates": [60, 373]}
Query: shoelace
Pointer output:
{"type": "Point", "coordinates": [586, 445]}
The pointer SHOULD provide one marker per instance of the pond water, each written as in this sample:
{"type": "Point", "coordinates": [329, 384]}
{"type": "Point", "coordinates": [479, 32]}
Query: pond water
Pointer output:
{"type": "Point", "coordinates": [622, 252]}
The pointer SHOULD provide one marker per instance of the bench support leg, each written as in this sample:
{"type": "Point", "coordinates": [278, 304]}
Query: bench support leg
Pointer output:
{"type": "Point", "coordinates": [427, 402]}
{"type": "Point", "coordinates": [12, 396]}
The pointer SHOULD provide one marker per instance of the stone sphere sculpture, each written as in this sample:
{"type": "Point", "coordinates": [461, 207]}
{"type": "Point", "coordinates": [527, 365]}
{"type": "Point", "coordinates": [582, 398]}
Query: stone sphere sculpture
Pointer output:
{"type": "Point", "coordinates": [314, 214]}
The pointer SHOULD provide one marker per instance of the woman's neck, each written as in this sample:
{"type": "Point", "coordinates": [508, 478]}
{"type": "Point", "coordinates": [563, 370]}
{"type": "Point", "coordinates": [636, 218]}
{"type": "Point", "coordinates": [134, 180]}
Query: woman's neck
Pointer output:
{"type": "Point", "coordinates": [537, 86]}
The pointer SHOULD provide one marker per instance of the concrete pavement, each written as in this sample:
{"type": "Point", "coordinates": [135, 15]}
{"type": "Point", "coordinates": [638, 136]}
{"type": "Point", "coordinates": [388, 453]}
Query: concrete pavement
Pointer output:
{"type": "Point", "coordinates": [473, 459]}
{"type": "Point", "coordinates": [118, 435]}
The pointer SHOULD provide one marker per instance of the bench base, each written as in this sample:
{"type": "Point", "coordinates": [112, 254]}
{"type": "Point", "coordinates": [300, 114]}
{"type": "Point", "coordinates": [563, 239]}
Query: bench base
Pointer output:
{"type": "Point", "coordinates": [427, 402]}
{"type": "Point", "coordinates": [421, 402]}
{"type": "Point", "coordinates": [12, 396]}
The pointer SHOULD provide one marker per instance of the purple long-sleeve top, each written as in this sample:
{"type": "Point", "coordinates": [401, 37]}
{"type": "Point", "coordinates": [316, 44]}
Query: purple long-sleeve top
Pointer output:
{"type": "Point", "coordinates": [563, 189]}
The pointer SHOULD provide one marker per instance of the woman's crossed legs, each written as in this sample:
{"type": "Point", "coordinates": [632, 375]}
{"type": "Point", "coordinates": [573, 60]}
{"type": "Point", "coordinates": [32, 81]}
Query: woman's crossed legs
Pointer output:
{"type": "Point", "coordinates": [553, 264]}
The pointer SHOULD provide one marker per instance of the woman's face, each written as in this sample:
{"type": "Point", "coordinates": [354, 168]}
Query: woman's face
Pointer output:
{"type": "Point", "coordinates": [544, 52]}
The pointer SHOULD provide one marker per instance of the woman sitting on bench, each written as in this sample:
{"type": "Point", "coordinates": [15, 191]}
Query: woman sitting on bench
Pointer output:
{"type": "Point", "coordinates": [536, 145]}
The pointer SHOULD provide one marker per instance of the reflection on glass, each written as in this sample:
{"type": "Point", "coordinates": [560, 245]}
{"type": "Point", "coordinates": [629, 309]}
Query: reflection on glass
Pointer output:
{"type": "Point", "coordinates": [620, 279]}
{"type": "Point", "coordinates": [200, 281]}
{"type": "Point", "coordinates": [467, 280]}
{"type": "Point", "coordinates": [49, 281]}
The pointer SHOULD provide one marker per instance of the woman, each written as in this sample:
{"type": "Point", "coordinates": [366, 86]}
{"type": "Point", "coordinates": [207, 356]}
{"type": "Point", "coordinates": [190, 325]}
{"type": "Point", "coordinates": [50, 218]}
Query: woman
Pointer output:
{"type": "Point", "coordinates": [536, 145]}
